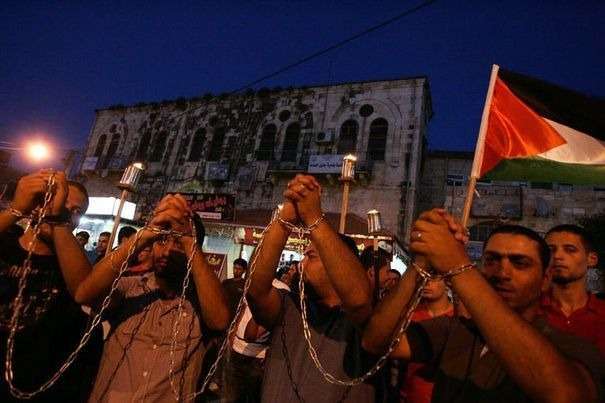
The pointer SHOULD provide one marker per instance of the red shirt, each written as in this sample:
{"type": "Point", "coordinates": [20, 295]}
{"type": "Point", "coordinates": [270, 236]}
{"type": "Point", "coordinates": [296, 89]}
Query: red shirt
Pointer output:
{"type": "Point", "coordinates": [416, 387]}
{"type": "Point", "coordinates": [587, 322]}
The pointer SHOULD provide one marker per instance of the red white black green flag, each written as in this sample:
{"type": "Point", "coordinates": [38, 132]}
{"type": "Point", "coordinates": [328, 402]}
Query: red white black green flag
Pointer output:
{"type": "Point", "coordinates": [540, 132]}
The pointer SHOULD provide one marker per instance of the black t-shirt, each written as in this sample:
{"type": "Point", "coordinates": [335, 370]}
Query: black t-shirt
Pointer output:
{"type": "Point", "coordinates": [466, 371]}
{"type": "Point", "coordinates": [50, 327]}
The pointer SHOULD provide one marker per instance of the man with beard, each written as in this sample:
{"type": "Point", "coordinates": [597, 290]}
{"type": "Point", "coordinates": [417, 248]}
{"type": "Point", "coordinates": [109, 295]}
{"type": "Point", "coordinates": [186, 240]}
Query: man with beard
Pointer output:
{"type": "Point", "coordinates": [137, 360]}
{"type": "Point", "coordinates": [50, 323]}
{"type": "Point", "coordinates": [506, 352]}
{"type": "Point", "coordinates": [339, 302]}
{"type": "Point", "coordinates": [568, 306]}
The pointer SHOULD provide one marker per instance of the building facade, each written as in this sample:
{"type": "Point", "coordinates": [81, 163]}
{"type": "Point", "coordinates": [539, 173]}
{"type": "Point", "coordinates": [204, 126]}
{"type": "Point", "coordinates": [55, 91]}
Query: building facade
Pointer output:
{"type": "Point", "coordinates": [248, 146]}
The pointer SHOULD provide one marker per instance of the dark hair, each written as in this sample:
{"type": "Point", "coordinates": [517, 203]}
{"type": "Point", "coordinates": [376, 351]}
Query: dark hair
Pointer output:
{"type": "Point", "coordinates": [543, 249]}
{"type": "Point", "coordinates": [350, 244]}
{"type": "Point", "coordinates": [83, 234]}
{"type": "Point", "coordinates": [105, 233]}
{"type": "Point", "coordinates": [125, 232]}
{"type": "Point", "coordinates": [241, 262]}
{"type": "Point", "coordinates": [585, 236]}
{"type": "Point", "coordinates": [367, 257]}
{"type": "Point", "coordinates": [82, 189]}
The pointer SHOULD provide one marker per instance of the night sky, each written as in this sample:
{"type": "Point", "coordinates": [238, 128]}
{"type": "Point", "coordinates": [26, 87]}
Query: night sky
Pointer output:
{"type": "Point", "coordinates": [59, 62]}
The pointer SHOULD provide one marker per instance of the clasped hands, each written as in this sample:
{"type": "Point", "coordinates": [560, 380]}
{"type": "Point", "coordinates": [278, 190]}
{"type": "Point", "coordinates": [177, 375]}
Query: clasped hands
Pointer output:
{"type": "Point", "coordinates": [302, 201]}
{"type": "Point", "coordinates": [440, 240]}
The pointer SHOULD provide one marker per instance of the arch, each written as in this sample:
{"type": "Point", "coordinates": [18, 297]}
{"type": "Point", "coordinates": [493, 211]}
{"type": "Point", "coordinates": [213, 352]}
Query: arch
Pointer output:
{"type": "Point", "coordinates": [216, 146]}
{"type": "Point", "coordinates": [113, 146]}
{"type": "Point", "coordinates": [144, 145]}
{"type": "Point", "coordinates": [197, 146]}
{"type": "Point", "coordinates": [267, 143]}
{"type": "Point", "coordinates": [347, 141]}
{"type": "Point", "coordinates": [377, 140]}
{"type": "Point", "coordinates": [158, 146]}
{"type": "Point", "coordinates": [100, 145]}
{"type": "Point", "coordinates": [290, 146]}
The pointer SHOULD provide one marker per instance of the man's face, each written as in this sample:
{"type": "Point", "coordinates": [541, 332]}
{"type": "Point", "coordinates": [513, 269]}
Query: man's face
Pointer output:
{"type": "Point", "coordinates": [76, 203]}
{"type": "Point", "coordinates": [102, 243]}
{"type": "Point", "coordinates": [82, 240]}
{"type": "Point", "coordinates": [169, 259]}
{"type": "Point", "coordinates": [238, 271]}
{"type": "Point", "coordinates": [511, 264]}
{"type": "Point", "coordinates": [314, 270]}
{"type": "Point", "coordinates": [434, 290]}
{"type": "Point", "coordinates": [570, 259]}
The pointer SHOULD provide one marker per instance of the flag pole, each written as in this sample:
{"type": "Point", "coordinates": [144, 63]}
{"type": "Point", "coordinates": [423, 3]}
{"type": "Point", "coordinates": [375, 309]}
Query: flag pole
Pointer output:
{"type": "Point", "coordinates": [479, 148]}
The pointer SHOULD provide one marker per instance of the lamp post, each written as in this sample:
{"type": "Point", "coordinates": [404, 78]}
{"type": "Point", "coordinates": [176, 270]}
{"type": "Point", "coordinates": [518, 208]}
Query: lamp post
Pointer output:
{"type": "Point", "coordinates": [347, 175]}
{"type": "Point", "coordinates": [128, 183]}
{"type": "Point", "coordinates": [374, 228]}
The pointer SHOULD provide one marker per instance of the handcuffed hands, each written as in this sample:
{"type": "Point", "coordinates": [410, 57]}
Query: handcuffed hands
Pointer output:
{"type": "Point", "coordinates": [304, 195]}
{"type": "Point", "coordinates": [438, 237]}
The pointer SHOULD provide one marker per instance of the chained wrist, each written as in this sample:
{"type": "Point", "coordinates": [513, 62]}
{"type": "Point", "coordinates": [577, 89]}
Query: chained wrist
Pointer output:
{"type": "Point", "coordinates": [448, 275]}
{"type": "Point", "coordinates": [18, 214]}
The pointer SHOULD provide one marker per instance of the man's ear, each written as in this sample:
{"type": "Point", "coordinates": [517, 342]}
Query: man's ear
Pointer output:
{"type": "Point", "coordinates": [593, 259]}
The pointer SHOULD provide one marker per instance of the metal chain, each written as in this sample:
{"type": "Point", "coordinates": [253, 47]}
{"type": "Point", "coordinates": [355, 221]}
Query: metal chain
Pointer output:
{"type": "Point", "coordinates": [16, 392]}
{"type": "Point", "coordinates": [232, 326]}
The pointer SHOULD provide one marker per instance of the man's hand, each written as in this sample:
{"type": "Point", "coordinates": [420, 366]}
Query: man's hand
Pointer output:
{"type": "Point", "coordinates": [173, 213]}
{"type": "Point", "coordinates": [305, 192]}
{"type": "Point", "coordinates": [288, 212]}
{"type": "Point", "coordinates": [60, 194]}
{"type": "Point", "coordinates": [433, 238]}
{"type": "Point", "coordinates": [30, 191]}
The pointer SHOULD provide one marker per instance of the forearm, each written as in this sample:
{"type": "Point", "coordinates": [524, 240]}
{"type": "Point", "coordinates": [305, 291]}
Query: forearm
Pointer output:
{"type": "Point", "coordinates": [264, 301]}
{"type": "Point", "coordinates": [345, 272]}
{"type": "Point", "coordinates": [98, 283]}
{"type": "Point", "coordinates": [529, 358]}
{"type": "Point", "coordinates": [213, 305]}
{"type": "Point", "coordinates": [383, 323]}
{"type": "Point", "coordinates": [72, 260]}
{"type": "Point", "coordinates": [6, 220]}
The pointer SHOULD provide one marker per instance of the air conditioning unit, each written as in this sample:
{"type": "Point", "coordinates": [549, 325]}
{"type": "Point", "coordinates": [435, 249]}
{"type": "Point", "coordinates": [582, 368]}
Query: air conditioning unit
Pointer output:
{"type": "Point", "coordinates": [325, 137]}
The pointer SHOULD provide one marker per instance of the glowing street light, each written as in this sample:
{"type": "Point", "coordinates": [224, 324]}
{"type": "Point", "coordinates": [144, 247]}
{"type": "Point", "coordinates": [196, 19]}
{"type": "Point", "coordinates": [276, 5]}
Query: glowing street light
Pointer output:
{"type": "Point", "coordinates": [37, 151]}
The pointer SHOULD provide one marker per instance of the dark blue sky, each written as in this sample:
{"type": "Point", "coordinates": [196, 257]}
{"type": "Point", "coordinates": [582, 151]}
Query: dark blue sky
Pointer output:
{"type": "Point", "coordinates": [60, 62]}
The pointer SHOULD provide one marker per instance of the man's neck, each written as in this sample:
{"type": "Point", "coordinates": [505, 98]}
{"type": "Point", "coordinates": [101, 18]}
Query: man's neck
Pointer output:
{"type": "Point", "coordinates": [41, 247]}
{"type": "Point", "coordinates": [439, 306]}
{"type": "Point", "coordinates": [571, 296]}
{"type": "Point", "coordinates": [169, 286]}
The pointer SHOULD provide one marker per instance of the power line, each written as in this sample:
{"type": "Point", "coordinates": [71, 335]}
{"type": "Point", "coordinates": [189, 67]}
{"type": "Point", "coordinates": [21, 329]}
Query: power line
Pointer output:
{"type": "Point", "coordinates": [323, 51]}
{"type": "Point", "coordinates": [336, 45]}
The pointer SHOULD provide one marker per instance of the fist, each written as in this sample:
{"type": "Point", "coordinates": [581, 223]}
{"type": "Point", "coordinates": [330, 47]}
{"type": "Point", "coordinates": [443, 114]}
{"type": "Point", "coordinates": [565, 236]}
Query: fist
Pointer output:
{"type": "Point", "coordinates": [32, 188]}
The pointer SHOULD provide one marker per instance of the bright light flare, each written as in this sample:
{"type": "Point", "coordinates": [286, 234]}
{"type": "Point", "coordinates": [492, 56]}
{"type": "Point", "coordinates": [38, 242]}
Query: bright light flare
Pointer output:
{"type": "Point", "coordinates": [37, 151]}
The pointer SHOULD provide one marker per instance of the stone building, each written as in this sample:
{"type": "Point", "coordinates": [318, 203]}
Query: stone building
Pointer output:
{"type": "Point", "coordinates": [249, 145]}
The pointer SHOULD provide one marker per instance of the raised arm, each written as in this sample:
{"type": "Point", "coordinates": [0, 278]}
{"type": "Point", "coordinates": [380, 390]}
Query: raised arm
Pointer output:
{"type": "Point", "coordinates": [528, 357]}
{"type": "Point", "coordinates": [213, 305]}
{"type": "Point", "coordinates": [345, 271]}
{"type": "Point", "coordinates": [263, 299]}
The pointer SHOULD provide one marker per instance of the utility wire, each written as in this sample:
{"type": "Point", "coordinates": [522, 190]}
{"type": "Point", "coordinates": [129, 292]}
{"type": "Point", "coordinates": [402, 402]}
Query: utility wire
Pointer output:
{"type": "Point", "coordinates": [336, 45]}
{"type": "Point", "coordinates": [323, 51]}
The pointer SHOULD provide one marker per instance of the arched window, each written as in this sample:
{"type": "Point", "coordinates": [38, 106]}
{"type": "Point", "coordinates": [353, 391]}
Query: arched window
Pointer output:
{"type": "Point", "coordinates": [100, 145]}
{"type": "Point", "coordinates": [216, 146]}
{"type": "Point", "coordinates": [308, 118]}
{"type": "Point", "coordinates": [113, 146]}
{"type": "Point", "coordinates": [158, 146]}
{"type": "Point", "coordinates": [143, 145]}
{"type": "Point", "coordinates": [199, 138]}
{"type": "Point", "coordinates": [347, 142]}
{"type": "Point", "coordinates": [267, 143]}
{"type": "Point", "coordinates": [291, 143]}
{"type": "Point", "coordinates": [378, 139]}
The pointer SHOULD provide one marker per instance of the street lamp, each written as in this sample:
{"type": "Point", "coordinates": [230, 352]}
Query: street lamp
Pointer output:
{"type": "Point", "coordinates": [37, 151]}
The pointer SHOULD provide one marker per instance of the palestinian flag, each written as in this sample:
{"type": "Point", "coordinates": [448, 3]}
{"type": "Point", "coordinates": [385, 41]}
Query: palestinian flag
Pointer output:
{"type": "Point", "coordinates": [540, 132]}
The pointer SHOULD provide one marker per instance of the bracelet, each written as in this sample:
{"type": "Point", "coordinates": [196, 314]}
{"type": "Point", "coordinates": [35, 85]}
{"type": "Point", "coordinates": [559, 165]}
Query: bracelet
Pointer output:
{"type": "Point", "coordinates": [445, 276]}
{"type": "Point", "coordinates": [313, 226]}
{"type": "Point", "coordinates": [15, 213]}
{"type": "Point", "coordinates": [287, 224]}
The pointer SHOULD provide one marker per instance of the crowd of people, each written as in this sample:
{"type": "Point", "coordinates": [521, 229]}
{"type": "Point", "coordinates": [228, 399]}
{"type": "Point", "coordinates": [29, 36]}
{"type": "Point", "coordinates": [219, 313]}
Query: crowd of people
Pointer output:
{"type": "Point", "coordinates": [522, 326]}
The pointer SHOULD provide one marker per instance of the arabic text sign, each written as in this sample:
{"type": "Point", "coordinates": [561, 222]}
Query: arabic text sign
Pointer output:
{"type": "Point", "coordinates": [325, 164]}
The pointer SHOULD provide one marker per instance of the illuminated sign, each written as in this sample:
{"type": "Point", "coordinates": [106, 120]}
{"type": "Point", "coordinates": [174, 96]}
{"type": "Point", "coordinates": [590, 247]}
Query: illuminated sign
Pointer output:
{"type": "Point", "coordinates": [109, 206]}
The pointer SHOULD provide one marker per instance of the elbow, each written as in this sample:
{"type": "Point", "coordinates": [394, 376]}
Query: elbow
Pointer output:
{"type": "Point", "coordinates": [220, 322]}
{"type": "Point", "coordinates": [80, 296]}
